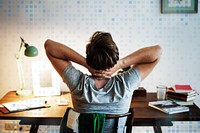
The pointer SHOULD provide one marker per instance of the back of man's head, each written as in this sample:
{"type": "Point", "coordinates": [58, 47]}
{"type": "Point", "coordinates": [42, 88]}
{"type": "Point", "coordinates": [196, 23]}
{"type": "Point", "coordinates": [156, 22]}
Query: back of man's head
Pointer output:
{"type": "Point", "coordinates": [101, 52]}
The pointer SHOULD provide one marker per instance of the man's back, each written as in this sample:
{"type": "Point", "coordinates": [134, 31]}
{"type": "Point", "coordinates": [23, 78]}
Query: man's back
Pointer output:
{"type": "Point", "coordinates": [113, 98]}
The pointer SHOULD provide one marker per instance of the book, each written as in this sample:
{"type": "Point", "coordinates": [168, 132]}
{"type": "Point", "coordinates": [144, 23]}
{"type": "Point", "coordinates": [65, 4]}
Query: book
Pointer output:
{"type": "Point", "coordinates": [172, 90]}
{"type": "Point", "coordinates": [184, 103]}
{"type": "Point", "coordinates": [168, 106]}
{"type": "Point", "coordinates": [179, 97]}
{"type": "Point", "coordinates": [22, 105]}
{"type": "Point", "coordinates": [182, 94]}
{"type": "Point", "coordinates": [183, 88]}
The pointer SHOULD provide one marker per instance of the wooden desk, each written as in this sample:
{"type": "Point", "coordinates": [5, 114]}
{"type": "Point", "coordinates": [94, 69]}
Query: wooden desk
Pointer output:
{"type": "Point", "coordinates": [143, 115]}
{"type": "Point", "coordinates": [147, 116]}
{"type": "Point", "coordinates": [36, 117]}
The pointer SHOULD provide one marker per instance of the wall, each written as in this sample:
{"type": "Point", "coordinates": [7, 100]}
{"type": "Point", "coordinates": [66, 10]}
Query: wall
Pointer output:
{"type": "Point", "coordinates": [133, 24]}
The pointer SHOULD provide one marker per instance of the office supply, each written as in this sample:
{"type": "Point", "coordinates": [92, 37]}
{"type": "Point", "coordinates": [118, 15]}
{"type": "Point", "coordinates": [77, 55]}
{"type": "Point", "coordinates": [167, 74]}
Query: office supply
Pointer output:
{"type": "Point", "coordinates": [184, 96]}
{"type": "Point", "coordinates": [143, 114]}
{"type": "Point", "coordinates": [181, 97]}
{"type": "Point", "coordinates": [172, 91]}
{"type": "Point", "coordinates": [30, 51]}
{"type": "Point", "coordinates": [183, 103]}
{"type": "Point", "coordinates": [22, 105]}
{"type": "Point", "coordinates": [62, 101]}
{"type": "Point", "coordinates": [161, 92]}
{"type": "Point", "coordinates": [182, 88]}
{"type": "Point", "coordinates": [140, 92]}
{"type": "Point", "coordinates": [168, 106]}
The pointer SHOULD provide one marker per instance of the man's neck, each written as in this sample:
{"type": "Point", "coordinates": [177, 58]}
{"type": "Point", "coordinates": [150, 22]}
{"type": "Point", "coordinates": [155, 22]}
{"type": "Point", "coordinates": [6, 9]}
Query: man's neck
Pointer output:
{"type": "Point", "coordinates": [100, 81]}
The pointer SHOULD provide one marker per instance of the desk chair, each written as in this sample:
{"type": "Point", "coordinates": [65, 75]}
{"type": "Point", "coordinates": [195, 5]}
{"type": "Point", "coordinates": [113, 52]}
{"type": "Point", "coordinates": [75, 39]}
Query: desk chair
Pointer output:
{"type": "Point", "coordinates": [129, 120]}
{"type": "Point", "coordinates": [114, 117]}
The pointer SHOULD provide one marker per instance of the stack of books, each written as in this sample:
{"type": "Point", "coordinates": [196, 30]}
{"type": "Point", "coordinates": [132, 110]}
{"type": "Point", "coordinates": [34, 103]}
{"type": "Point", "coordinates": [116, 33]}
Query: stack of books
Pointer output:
{"type": "Point", "coordinates": [182, 94]}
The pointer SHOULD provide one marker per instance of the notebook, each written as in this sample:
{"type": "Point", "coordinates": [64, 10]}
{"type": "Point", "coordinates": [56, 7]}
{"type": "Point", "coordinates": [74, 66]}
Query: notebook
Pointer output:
{"type": "Point", "coordinates": [22, 105]}
{"type": "Point", "coordinates": [168, 106]}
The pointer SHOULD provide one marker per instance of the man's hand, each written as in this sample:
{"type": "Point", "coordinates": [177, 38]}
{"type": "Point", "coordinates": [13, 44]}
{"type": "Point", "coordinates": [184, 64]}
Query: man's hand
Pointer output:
{"type": "Point", "coordinates": [100, 73]}
{"type": "Point", "coordinates": [104, 73]}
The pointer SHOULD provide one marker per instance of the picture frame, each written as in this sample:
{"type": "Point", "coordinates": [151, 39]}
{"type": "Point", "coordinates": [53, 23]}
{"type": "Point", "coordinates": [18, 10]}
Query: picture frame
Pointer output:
{"type": "Point", "coordinates": [46, 81]}
{"type": "Point", "coordinates": [179, 6]}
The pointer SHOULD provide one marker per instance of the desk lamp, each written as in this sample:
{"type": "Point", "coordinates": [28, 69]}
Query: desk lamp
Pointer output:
{"type": "Point", "coordinates": [30, 51]}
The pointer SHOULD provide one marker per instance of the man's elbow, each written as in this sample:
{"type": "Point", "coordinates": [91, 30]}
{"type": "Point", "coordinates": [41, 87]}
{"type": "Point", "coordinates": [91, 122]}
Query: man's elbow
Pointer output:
{"type": "Point", "coordinates": [159, 51]}
{"type": "Point", "coordinates": [47, 43]}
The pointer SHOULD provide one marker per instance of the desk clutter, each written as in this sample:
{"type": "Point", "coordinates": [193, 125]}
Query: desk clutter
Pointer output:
{"type": "Point", "coordinates": [168, 106]}
{"type": "Point", "coordinates": [177, 99]}
{"type": "Point", "coordinates": [182, 94]}
{"type": "Point", "coordinates": [32, 103]}
{"type": "Point", "coordinates": [58, 101]}
{"type": "Point", "coordinates": [22, 105]}
{"type": "Point", "coordinates": [140, 92]}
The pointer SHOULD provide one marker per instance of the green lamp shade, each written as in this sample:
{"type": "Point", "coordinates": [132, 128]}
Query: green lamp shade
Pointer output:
{"type": "Point", "coordinates": [31, 51]}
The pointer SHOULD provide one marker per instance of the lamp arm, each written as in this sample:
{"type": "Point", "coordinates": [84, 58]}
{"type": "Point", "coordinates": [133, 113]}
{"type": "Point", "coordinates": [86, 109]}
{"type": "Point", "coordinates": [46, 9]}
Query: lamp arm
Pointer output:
{"type": "Point", "coordinates": [19, 65]}
{"type": "Point", "coordinates": [20, 73]}
{"type": "Point", "coordinates": [18, 56]}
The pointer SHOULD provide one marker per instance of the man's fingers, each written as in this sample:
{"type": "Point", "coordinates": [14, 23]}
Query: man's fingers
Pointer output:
{"type": "Point", "coordinates": [106, 75]}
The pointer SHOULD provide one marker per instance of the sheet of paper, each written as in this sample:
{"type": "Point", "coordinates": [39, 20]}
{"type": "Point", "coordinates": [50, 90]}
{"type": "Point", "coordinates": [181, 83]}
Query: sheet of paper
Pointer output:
{"type": "Point", "coordinates": [25, 104]}
{"type": "Point", "coordinates": [14, 106]}
{"type": "Point", "coordinates": [34, 102]}
{"type": "Point", "coordinates": [72, 121]}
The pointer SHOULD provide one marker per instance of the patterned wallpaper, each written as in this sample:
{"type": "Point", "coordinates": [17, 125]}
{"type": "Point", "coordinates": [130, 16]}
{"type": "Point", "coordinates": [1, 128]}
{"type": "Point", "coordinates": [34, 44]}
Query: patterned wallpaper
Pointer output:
{"type": "Point", "coordinates": [132, 23]}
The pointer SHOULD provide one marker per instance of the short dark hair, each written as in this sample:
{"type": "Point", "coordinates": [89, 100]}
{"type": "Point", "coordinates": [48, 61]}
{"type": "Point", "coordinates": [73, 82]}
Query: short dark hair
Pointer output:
{"type": "Point", "coordinates": [101, 51]}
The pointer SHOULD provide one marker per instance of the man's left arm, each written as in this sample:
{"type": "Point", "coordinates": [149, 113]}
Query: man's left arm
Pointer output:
{"type": "Point", "coordinates": [61, 56]}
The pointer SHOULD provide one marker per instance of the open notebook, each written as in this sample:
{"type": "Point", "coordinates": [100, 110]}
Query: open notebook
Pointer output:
{"type": "Point", "coordinates": [168, 106]}
{"type": "Point", "coordinates": [33, 103]}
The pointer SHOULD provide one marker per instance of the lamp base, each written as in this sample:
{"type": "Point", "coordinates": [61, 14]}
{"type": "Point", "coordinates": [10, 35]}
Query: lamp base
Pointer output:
{"type": "Point", "coordinates": [24, 92]}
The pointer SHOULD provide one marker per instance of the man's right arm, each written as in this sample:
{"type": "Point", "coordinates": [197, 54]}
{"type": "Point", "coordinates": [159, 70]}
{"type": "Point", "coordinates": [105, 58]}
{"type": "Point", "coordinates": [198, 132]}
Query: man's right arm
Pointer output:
{"type": "Point", "coordinates": [144, 60]}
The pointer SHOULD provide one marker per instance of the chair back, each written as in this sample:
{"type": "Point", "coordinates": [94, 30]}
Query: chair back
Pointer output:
{"type": "Point", "coordinates": [129, 121]}
{"type": "Point", "coordinates": [129, 116]}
